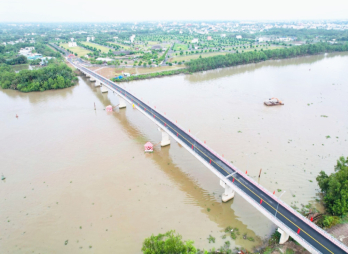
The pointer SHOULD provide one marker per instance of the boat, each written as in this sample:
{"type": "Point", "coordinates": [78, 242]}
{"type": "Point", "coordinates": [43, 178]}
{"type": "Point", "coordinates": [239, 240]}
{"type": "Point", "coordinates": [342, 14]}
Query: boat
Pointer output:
{"type": "Point", "coordinates": [273, 102]}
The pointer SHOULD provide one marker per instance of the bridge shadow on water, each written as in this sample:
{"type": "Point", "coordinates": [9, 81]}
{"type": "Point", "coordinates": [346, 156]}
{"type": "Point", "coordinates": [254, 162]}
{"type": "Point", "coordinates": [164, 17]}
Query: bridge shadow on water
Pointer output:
{"type": "Point", "coordinates": [221, 213]}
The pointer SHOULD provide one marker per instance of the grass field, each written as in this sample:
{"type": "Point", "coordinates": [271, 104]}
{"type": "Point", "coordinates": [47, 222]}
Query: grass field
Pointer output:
{"type": "Point", "coordinates": [78, 50]}
{"type": "Point", "coordinates": [121, 45]}
{"type": "Point", "coordinates": [102, 48]}
{"type": "Point", "coordinates": [110, 72]}
{"type": "Point", "coordinates": [180, 47]}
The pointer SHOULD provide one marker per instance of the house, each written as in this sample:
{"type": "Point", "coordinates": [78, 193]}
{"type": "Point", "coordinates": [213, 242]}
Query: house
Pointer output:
{"type": "Point", "coordinates": [238, 37]}
{"type": "Point", "coordinates": [209, 38]}
{"type": "Point", "coordinates": [90, 38]}
{"type": "Point", "coordinates": [4, 43]}
{"type": "Point", "coordinates": [156, 47]}
{"type": "Point", "coordinates": [26, 51]}
{"type": "Point", "coordinates": [72, 39]}
{"type": "Point", "coordinates": [104, 59]}
{"type": "Point", "coordinates": [195, 40]}
{"type": "Point", "coordinates": [72, 44]}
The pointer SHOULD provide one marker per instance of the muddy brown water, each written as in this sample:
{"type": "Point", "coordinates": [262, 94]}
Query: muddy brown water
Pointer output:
{"type": "Point", "coordinates": [81, 175]}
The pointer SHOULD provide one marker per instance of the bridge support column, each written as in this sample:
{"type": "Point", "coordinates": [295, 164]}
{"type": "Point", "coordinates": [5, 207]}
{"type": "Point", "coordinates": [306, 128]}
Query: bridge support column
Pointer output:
{"type": "Point", "coordinates": [104, 89]}
{"type": "Point", "coordinates": [283, 236]}
{"type": "Point", "coordinates": [165, 138]}
{"type": "Point", "coordinates": [92, 79]}
{"type": "Point", "coordinates": [87, 75]}
{"type": "Point", "coordinates": [228, 194]}
{"type": "Point", "coordinates": [97, 83]}
{"type": "Point", "coordinates": [122, 103]}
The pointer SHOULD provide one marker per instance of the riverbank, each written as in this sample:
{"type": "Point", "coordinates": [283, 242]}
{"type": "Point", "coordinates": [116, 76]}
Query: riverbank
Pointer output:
{"type": "Point", "coordinates": [237, 59]}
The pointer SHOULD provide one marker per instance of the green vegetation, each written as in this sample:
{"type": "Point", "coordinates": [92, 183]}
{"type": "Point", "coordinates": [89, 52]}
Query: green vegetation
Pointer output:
{"type": "Point", "coordinates": [335, 189]}
{"type": "Point", "coordinates": [180, 47]}
{"type": "Point", "coordinates": [96, 46]}
{"type": "Point", "coordinates": [55, 76]}
{"type": "Point", "coordinates": [211, 239]}
{"type": "Point", "coordinates": [151, 75]}
{"type": "Point", "coordinates": [208, 63]}
{"type": "Point", "coordinates": [76, 50]}
{"type": "Point", "coordinates": [167, 243]}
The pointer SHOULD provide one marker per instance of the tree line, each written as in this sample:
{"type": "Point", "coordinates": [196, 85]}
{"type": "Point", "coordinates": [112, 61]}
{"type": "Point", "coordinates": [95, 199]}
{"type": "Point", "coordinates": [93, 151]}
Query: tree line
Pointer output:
{"type": "Point", "coordinates": [220, 61]}
{"type": "Point", "coordinates": [55, 76]}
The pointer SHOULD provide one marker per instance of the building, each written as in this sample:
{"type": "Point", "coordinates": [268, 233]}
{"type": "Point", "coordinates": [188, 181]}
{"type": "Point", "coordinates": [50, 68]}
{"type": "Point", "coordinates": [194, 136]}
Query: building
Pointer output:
{"type": "Point", "coordinates": [209, 38]}
{"type": "Point", "coordinates": [115, 38]}
{"type": "Point", "coordinates": [104, 59]}
{"type": "Point", "coordinates": [90, 38]}
{"type": "Point", "coordinates": [4, 43]}
{"type": "Point", "coordinates": [195, 40]}
{"type": "Point", "coordinates": [44, 60]}
{"type": "Point", "coordinates": [26, 51]}
{"type": "Point", "coordinates": [72, 39]}
{"type": "Point", "coordinates": [238, 37]}
{"type": "Point", "coordinates": [132, 38]}
{"type": "Point", "coordinates": [72, 44]}
{"type": "Point", "coordinates": [223, 35]}
{"type": "Point", "coordinates": [262, 39]}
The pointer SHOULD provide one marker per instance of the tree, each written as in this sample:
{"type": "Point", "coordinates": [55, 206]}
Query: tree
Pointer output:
{"type": "Point", "coordinates": [335, 188]}
{"type": "Point", "coordinates": [167, 243]}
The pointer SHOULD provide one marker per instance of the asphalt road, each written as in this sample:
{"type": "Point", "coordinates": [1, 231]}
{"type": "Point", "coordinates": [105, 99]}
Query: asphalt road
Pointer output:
{"type": "Point", "coordinates": [292, 219]}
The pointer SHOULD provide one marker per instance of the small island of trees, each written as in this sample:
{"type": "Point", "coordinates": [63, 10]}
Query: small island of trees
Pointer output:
{"type": "Point", "coordinates": [56, 75]}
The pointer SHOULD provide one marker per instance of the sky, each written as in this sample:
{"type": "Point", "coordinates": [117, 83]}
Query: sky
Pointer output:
{"type": "Point", "coordinates": [156, 10]}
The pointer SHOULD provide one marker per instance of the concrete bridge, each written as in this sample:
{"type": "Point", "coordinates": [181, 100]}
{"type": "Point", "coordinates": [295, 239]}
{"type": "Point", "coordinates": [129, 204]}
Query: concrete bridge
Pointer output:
{"type": "Point", "coordinates": [290, 222]}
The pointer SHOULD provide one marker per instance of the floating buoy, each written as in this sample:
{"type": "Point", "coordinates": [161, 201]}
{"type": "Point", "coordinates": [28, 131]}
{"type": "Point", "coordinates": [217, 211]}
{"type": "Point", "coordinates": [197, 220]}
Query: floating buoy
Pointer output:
{"type": "Point", "coordinates": [108, 108]}
{"type": "Point", "coordinates": [148, 147]}
{"type": "Point", "coordinates": [16, 116]}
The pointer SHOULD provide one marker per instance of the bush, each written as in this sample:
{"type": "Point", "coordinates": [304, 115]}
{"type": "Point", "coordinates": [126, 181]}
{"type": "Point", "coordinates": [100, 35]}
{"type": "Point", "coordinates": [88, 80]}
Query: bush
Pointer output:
{"type": "Point", "coordinates": [167, 243]}
{"type": "Point", "coordinates": [335, 189]}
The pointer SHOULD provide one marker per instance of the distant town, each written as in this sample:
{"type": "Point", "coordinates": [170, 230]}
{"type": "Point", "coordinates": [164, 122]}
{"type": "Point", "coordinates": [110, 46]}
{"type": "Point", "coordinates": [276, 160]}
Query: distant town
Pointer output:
{"type": "Point", "coordinates": [161, 44]}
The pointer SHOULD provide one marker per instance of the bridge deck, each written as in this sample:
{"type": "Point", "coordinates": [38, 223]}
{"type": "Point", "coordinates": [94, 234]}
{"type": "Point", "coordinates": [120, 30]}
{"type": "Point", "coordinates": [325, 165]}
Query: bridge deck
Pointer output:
{"type": "Point", "coordinates": [306, 233]}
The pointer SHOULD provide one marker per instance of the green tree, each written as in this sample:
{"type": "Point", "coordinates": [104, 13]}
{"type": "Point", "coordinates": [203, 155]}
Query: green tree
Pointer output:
{"type": "Point", "coordinates": [335, 188]}
{"type": "Point", "coordinates": [169, 243]}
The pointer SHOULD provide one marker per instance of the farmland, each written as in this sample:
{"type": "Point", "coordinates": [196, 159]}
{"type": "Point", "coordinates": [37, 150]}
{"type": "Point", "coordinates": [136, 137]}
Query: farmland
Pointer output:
{"type": "Point", "coordinates": [97, 46]}
{"type": "Point", "coordinates": [78, 50]}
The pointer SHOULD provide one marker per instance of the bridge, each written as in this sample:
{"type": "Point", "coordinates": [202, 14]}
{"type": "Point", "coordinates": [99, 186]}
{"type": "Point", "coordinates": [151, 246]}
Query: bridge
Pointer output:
{"type": "Point", "coordinates": [290, 222]}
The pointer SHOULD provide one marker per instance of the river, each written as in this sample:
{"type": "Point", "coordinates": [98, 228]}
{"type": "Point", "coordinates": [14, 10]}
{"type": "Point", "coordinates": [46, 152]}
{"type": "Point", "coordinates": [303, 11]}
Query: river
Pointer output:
{"type": "Point", "coordinates": [77, 179]}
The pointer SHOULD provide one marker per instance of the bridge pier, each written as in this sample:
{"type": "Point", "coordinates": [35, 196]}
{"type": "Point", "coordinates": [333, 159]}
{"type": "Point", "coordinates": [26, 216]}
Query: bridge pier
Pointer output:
{"type": "Point", "coordinates": [228, 194]}
{"type": "Point", "coordinates": [104, 89]}
{"type": "Point", "coordinates": [165, 138]}
{"type": "Point", "coordinates": [97, 83]}
{"type": "Point", "coordinates": [122, 103]}
{"type": "Point", "coordinates": [92, 79]}
{"type": "Point", "coordinates": [87, 75]}
{"type": "Point", "coordinates": [283, 236]}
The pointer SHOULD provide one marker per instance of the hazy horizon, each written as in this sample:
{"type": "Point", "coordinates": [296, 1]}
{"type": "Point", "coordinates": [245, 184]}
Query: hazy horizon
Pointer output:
{"type": "Point", "coordinates": [154, 10]}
